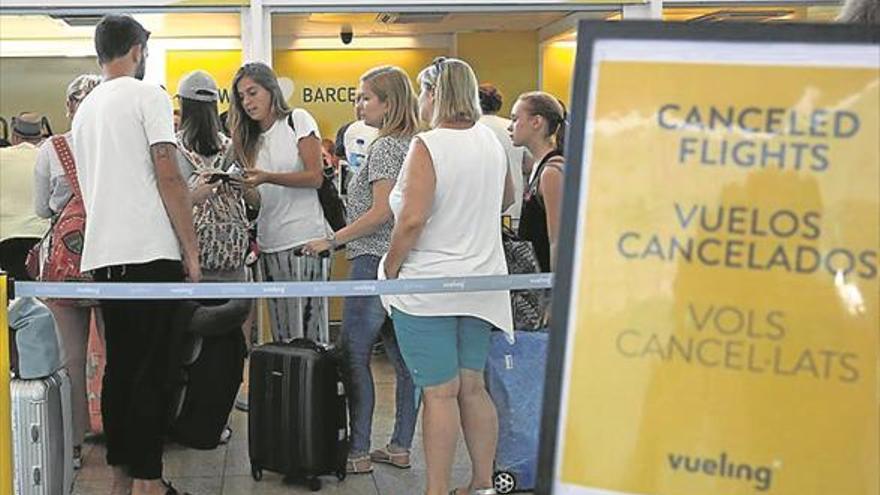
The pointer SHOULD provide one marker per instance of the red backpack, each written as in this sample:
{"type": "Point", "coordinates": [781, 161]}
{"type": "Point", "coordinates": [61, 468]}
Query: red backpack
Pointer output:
{"type": "Point", "coordinates": [60, 252]}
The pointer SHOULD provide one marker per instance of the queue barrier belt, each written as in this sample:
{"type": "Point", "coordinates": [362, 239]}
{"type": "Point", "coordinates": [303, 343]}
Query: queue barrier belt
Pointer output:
{"type": "Point", "coordinates": [262, 290]}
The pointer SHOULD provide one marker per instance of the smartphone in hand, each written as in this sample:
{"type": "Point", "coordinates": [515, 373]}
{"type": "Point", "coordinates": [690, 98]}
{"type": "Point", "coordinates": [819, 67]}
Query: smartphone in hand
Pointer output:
{"type": "Point", "coordinates": [235, 169]}
{"type": "Point", "coordinates": [216, 177]}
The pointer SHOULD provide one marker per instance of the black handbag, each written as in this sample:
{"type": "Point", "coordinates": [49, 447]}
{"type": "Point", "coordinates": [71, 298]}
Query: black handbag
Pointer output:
{"type": "Point", "coordinates": [328, 196]}
{"type": "Point", "coordinates": [529, 306]}
{"type": "Point", "coordinates": [331, 203]}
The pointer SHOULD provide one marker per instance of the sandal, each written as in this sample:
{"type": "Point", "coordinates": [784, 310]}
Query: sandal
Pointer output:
{"type": "Point", "coordinates": [359, 465]}
{"type": "Point", "coordinates": [386, 456]}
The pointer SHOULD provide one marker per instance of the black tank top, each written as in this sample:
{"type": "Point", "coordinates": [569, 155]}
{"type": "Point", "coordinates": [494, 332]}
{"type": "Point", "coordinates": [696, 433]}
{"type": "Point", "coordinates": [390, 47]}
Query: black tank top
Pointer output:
{"type": "Point", "coordinates": [533, 218]}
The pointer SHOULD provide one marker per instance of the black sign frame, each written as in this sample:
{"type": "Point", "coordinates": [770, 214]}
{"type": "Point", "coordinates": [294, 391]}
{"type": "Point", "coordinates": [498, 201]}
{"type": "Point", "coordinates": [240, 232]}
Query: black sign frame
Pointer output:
{"type": "Point", "coordinates": [589, 32]}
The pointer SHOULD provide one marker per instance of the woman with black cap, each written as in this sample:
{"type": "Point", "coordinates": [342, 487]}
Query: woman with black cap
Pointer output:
{"type": "Point", "coordinates": [203, 159]}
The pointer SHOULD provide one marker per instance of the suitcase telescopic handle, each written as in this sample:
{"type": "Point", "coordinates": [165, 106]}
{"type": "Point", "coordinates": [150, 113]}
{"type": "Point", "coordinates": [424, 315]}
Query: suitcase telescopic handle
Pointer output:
{"type": "Point", "coordinates": [302, 343]}
{"type": "Point", "coordinates": [298, 251]}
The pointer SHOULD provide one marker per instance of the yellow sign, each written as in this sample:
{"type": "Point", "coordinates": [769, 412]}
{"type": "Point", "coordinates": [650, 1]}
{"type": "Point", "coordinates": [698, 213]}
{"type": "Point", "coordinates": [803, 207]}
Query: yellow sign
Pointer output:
{"type": "Point", "coordinates": [557, 65]}
{"type": "Point", "coordinates": [325, 81]}
{"type": "Point", "coordinates": [725, 311]}
{"type": "Point", "coordinates": [221, 64]}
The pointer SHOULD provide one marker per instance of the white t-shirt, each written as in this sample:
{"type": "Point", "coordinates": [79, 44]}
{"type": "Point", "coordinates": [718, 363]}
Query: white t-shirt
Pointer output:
{"type": "Point", "coordinates": [357, 139]}
{"type": "Point", "coordinates": [113, 130]}
{"type": "Point", "coordinates": [463, 234]}
{"type": "Point", "coordinates": [52, 190]}
{"type": "Point", "coordinates": [289, 216]}
{"type": "Point", "coordinates": [499, 126]}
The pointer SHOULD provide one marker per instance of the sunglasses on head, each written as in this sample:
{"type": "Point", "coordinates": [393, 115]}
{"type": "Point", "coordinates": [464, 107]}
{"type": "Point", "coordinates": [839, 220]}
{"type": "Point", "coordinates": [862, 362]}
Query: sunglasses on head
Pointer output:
{"type": "Point", "coordinates": [438, 64]}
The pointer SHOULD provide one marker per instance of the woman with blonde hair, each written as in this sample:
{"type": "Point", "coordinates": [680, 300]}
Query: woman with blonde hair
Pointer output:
{"type": "Point", "coordinates": [447, 208]}
{"type": "Point", "coordinates": [52, 191]}
{"type": "Point", "coordinates": [538, 122]}
{"type": "Point", "coordinates": [388, 103]}
{"type": "Point", "coordinates": [280, 151]}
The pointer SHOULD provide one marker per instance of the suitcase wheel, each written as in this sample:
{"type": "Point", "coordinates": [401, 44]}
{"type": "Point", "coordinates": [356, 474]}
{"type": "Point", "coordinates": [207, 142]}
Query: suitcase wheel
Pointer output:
{"type": "Point", "coordinates": [505, 482]}
{"type": "Point", "coordinates": [314, 484]}
{"type": "Point", "coordinates": [340, 475]}
{"type": "Point", "coordinates": [256, 473]}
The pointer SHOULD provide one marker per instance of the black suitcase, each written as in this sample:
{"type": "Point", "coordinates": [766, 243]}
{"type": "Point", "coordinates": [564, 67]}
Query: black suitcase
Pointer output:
{"type": "Point", "coordinates": [297, 422]}
{"type": "Point", "coordinates": [207, 361]}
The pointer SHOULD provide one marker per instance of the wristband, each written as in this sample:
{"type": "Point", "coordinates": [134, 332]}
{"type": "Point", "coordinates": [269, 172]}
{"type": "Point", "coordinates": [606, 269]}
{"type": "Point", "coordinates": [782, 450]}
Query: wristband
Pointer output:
{"type": "Point", "coordinates": [332, 240]}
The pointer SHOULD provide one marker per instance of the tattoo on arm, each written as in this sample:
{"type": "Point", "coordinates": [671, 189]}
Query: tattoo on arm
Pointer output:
{"type": "Point", "coordinates": [162, 151]}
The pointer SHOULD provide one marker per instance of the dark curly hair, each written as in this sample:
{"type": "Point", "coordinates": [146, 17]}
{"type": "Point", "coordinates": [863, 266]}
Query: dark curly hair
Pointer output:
{"type": "Point", "coordinates": [491, 98]}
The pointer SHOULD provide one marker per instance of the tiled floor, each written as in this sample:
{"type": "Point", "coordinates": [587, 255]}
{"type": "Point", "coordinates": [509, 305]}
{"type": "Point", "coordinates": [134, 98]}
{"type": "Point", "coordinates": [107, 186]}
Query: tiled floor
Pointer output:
{"type": "Point", "coordinates": [226, 470]}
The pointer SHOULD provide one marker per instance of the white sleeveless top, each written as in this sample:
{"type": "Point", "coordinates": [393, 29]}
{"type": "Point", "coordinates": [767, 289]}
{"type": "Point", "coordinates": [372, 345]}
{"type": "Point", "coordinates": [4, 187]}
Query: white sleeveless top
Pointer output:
{"type": "Point", "coordinates": [463, 234]}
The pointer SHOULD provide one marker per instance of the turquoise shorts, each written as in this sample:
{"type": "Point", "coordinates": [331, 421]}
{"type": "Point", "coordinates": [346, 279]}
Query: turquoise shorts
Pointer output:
{"type": "Point", "coordinates": [434, 348]}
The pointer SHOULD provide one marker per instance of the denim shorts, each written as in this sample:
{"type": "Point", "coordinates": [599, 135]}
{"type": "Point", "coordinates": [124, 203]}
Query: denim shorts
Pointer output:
{"type": "Point", "coordinates": [434, 348]}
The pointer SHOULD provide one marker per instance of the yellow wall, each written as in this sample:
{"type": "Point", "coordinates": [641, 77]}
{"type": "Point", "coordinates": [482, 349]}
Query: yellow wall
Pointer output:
{"type": "Point", "coordinates": [509, 60]}
{"type": "Point", "coordinates": [221, 64]}
{"type": "Point", "coordinates": [325, 80]}
{"type": "Point", "coordinates": [557, 70]}
{"type": "Point", "coordinates": [38, 84]}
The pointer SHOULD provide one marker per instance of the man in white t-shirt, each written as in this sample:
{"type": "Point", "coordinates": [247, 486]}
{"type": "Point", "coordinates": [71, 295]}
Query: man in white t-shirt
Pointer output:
{"type": "Point", "coordinates": [139, 229]}
{"type": "Point", "coordinates": [357, 138]}
{"type": "Point", "coordinates": [353, 140]}
{"type": "Point", "coordinates": [518, 159]}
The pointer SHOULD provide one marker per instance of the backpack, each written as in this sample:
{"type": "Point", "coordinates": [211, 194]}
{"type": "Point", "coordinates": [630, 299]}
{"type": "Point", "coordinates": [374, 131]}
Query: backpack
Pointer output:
{"type": "Point", "coordinates": [206, 369]}
{"type": "Point", "coordinates": [56, 258]}
{"type": "Point", "coordinates": [33, 342]}
{"type": "Point", "coordinates": [328, 196]}
{"type": "Point", "coordinates": [529, 307]}
{"type": "Point", "coordinates": [220, 222]}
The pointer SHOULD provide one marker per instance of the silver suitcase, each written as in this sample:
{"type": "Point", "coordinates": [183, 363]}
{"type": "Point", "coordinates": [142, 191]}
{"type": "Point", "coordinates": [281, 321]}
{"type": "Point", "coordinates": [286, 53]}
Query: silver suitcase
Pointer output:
{"type": "Point", "coordinates": [42, 435]}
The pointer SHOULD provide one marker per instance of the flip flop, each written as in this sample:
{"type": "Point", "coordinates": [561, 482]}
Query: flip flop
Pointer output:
{"type": "Point", "coordinates": [359, 465]}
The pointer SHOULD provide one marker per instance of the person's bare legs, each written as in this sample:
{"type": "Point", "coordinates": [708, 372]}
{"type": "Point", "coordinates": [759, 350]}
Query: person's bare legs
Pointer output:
{"type": "Point", "coordinates": [440, 423]}
{"type": "Point", "coordinates": [479, 422]}
{"type": "Point", "coordinates": [148, 487]}
{"type": "Point", "coordinates": [72, 323]}
{"type": "Point", "coordinates": [121, 482]}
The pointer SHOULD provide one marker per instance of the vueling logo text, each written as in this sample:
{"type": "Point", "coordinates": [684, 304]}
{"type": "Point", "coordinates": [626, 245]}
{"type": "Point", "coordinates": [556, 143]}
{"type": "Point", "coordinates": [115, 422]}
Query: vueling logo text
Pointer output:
{"type": "Point", "coordinates": [722, 467]}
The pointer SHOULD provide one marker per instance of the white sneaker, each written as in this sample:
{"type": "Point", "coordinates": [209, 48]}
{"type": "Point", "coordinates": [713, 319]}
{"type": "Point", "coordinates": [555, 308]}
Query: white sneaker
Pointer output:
{"type": "Point", "coordinates": [77, 457]}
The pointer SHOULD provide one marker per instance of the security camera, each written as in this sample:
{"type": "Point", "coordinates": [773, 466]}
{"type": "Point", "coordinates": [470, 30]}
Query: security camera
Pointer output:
{"type": "Point", "coordinates": [346, 34]}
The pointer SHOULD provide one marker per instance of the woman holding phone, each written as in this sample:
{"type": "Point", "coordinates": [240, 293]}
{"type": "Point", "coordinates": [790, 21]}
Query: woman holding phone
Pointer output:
{"type": "Point", "coordinates": [280, 151]}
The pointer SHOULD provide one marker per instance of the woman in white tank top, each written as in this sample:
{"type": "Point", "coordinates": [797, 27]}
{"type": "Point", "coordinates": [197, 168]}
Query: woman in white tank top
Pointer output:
{"type": "Point", "coordinates": [447, 207]}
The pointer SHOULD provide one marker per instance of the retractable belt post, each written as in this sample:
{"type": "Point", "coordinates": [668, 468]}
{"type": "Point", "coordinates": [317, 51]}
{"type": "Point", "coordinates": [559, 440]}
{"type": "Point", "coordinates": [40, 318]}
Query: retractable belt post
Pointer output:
{"type": "Point", "coordinates": [6, 291]}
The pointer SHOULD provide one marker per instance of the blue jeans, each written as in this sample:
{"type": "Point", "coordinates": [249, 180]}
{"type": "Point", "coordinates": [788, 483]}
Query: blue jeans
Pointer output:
{"type": "Point", "coordinates": [362, 325]}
